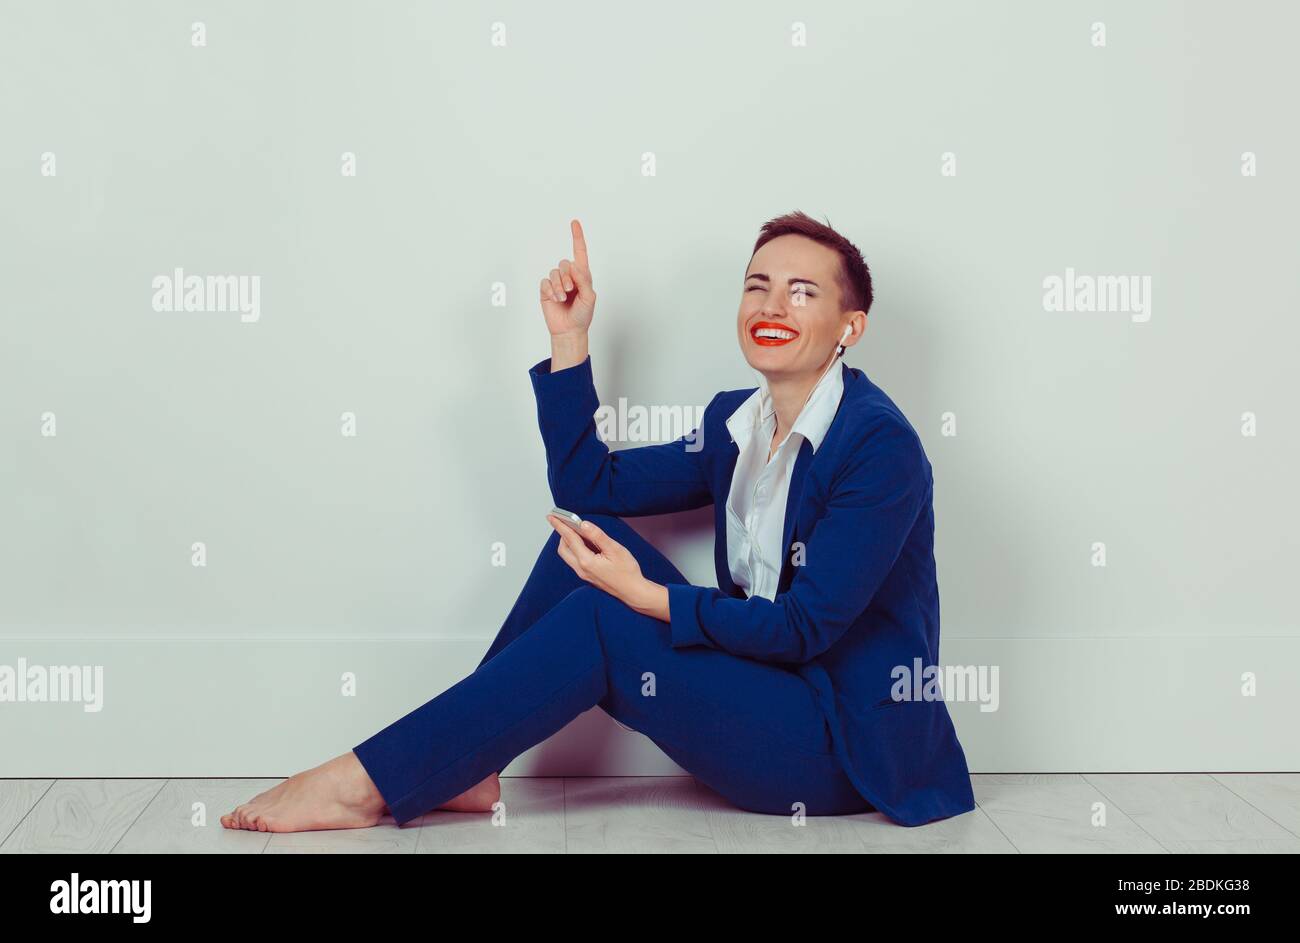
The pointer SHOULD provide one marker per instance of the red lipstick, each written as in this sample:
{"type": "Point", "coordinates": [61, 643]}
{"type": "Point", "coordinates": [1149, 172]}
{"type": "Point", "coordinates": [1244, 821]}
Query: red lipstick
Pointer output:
{"type": "Point", "coordinates": [771, 334]}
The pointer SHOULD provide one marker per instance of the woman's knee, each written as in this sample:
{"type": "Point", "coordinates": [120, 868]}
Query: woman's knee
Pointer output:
{"type": "Point", "coordinates": [585, 597]}
{"type": "Point", "coordinates": [625, 636]}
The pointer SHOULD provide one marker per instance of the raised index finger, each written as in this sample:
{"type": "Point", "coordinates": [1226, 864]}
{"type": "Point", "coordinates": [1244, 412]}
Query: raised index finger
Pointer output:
{"type": "Point", "coordinates": [579, 245]}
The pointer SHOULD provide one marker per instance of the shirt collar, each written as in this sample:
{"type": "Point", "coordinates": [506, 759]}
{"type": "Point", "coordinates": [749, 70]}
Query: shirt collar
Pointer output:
{"type": "Point", "coordinates": [814, 419]}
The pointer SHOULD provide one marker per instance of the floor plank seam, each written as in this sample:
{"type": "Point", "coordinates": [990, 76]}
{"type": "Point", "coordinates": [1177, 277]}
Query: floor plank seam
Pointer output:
{"type": "Point", "coordinates": [1128, 815]}
{"type": "Point", "coordinates": [143, 809]}
{"type": "Point", "coordinates": [994, 823]}
{"type": "Point", "coordinates": [1252, 805]}
{"type": "Point", "coordinates": [30, 810]}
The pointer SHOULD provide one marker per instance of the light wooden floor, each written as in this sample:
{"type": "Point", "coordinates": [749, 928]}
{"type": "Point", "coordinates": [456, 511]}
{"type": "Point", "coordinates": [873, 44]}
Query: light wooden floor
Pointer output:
{"type": "Point", "coordinates": [1179, 813]}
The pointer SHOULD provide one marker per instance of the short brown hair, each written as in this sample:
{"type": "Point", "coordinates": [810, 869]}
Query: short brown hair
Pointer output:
{"type": "Point", "coordinates": [854, 277]}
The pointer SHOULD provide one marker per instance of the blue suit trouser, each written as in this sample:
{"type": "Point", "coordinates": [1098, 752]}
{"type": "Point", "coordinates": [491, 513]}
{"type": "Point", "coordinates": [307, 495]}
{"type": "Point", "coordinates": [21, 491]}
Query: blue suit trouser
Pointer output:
{"type": "Point", "coordinates": [749, 730]}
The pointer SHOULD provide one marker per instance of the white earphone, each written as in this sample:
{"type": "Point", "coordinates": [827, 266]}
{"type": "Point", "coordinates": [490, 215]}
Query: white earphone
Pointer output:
{"type": "Point", "coordinates": [848, 329]}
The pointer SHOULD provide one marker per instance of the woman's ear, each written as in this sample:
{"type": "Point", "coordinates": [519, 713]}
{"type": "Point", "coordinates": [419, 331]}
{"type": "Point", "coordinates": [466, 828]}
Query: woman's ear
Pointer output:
{"type": "Point", "coordinates": [850, 325]}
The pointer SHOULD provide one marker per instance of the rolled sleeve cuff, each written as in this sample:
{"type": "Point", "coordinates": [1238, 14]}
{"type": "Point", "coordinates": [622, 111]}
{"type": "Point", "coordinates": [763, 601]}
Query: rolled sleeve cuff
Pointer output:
{"type": "Point", "coordinates": [570, 378]}
{"type": "Point", "coordinates": [683, 615]}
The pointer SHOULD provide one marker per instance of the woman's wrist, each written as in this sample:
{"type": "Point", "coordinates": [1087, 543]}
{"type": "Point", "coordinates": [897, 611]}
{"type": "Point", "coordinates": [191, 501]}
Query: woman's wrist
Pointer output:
{"type": "Point", "coordinates": [568, 350]}
{"type": "Point", "coordinates": [651, 599]}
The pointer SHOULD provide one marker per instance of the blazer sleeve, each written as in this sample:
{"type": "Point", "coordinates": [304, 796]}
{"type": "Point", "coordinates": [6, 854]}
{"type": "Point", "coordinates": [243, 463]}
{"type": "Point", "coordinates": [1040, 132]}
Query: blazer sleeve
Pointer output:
{"type": "Point", "coordinates": [586, 477]}
{"type": "Point", "coordinates": [874, 503]}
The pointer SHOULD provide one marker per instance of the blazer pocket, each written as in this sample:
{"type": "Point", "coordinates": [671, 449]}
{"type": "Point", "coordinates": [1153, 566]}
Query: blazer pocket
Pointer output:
{"type": "Point", "coordinates": [887, 702]}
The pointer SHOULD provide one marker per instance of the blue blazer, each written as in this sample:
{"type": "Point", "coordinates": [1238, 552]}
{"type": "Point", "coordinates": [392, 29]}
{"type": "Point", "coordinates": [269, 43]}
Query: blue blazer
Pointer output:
{"type": "Point", "coordinates": [863, 599]}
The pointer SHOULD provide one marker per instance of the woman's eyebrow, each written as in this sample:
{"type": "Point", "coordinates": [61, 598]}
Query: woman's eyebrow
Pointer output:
{"type": "Point", "coordinates": [789, 281]}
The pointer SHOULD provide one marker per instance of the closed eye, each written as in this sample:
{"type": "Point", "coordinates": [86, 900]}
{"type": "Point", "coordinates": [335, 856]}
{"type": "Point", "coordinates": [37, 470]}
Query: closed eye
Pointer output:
{"type": "Point", "coordinates": [804, 291]}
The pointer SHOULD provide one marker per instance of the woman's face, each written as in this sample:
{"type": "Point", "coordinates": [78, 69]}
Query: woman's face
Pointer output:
{"type": "Point", "coordinates": [791, 318]}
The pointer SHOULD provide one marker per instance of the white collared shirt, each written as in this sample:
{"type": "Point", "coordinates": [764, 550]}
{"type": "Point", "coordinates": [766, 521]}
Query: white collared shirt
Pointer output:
{"type": "Point", "coordinates": [759, 488]}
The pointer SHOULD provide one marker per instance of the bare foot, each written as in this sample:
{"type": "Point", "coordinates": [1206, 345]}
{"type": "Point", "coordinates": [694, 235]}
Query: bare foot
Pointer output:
{"type": "Point", "coordinates": [336, 794]}
{"type": "Point", "coordinates": [478, 798]}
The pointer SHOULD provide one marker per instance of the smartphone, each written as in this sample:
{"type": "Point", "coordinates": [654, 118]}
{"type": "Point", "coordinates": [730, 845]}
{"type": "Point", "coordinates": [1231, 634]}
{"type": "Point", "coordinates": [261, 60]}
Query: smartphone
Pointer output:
{"type": "Point", "coordinates": [568, 517]}
{"type": "Point", "coordinates": [574, 521]}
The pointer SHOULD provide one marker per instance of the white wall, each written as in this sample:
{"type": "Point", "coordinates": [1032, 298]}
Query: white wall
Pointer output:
{"type": "Point", "coordinates": [372, 554]}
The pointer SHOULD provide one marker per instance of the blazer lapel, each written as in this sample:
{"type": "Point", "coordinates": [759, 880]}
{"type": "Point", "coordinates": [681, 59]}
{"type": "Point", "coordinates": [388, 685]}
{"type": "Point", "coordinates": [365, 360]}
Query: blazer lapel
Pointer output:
{"type": "Point", "coordinates": [795, 498]}
{"type": "Point", "coordinates": [797, 507]}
